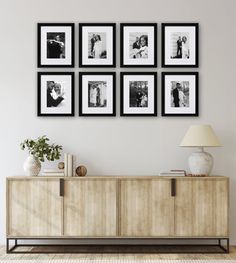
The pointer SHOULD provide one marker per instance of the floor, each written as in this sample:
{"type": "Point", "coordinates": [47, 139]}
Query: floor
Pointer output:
{"type": "Point", "coordinates": [110, 256]}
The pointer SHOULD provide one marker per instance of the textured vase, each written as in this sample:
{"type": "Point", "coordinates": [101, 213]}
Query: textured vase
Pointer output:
{"type": "Point", "coordinates": [32, 166]}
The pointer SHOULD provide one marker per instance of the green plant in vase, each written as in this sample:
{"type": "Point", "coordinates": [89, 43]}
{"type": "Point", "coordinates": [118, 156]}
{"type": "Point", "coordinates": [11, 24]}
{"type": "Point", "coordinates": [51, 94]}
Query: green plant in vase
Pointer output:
{"type": "Point", "coordinates": [39, 151]}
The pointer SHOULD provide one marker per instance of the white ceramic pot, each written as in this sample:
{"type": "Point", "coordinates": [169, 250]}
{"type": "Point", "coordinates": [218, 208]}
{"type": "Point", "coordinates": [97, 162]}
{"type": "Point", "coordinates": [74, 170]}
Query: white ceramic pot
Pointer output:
{"type": "Point", "coordinates": [32, 166]}
{"type": "Point", "coordinates": [200, 163]}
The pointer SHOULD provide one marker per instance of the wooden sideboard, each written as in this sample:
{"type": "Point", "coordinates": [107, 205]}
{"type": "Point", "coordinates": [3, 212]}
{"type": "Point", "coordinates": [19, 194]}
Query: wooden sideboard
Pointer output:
{"type": "Point", "coordinates": [117, 207]}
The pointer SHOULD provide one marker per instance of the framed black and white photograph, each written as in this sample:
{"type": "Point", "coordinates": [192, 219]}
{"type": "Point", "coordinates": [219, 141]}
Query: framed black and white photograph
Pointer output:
{"type": "Point", "coordinates": [180, 94]}
{"type": "Point", "coordinates": [138, 43]}
{"type": "Point", "coordinates": [138, 94]}
{"type": "Point", "coordinates": [97, 45]}
{"type": "Point", "coordinates": [180, 45]}
{"type": "Point", "coordinates": [97, 94]}
{"type": "Point", "coordinates": [55, 45]}
{"type": "Point", "coordinates": [55, 94]}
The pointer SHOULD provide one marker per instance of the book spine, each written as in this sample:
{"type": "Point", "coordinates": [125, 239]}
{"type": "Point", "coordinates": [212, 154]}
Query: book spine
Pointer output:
{"type": "Point", "coordinates": [70, 164]}
{"type": "Point", "coordinates": [65, 164]}
{"type": "Point", "coordinates": [53, 171]}
{"type": "Point", "coordinates": [74, 166]}
{"type": "Point", "coordinates": [53, 174]}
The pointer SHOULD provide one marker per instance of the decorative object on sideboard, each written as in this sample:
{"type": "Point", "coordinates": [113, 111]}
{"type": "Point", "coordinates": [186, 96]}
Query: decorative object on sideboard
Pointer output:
{"type": "Point", "coordinates": [138, 45]}
{"type": "Point", "coordinates": [200, 162]}
{"type": "Point", "coordinates": [32, 166]}
{"type": "Point", "coordinates": [69, 164]}
{"type": "Point", "coordinates": [97, 45]}
{"type": "Point", "coordinates": [179, 93]}
{"type": "Point", "coordinates": [81, 170]}
{"type": "Point", "coordinates": [56, 45]}
{"type": "Point", "coordinates": [180, 45]}
{"type": "Point", "coordinates": [61, 165]}
{"type": "Point", "coordinates": [138, 94]}
{"type": "Point", "coordinates": [55, 93]}
{"type": "Point", "coordinates": [97, 94]}
{"type": "Point", "coordinates": [53, 172]}
{"type": "Point", "coordinates": [174, 173]}
{"type": "Point", "coordinates": [39, 150]}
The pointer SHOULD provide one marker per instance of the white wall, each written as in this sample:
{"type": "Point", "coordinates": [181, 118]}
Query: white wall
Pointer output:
{"type": "Point", "coordinates": [127, 146]}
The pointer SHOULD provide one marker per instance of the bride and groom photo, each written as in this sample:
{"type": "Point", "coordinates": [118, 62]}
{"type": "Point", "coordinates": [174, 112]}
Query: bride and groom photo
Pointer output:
{"type": "Point", "coordinates": [138, 45]}
{"type": "Point", "coordinates": [180, 45]}
{"type": "Point", "coordinates": [97, 45]}
{"type": "Point", "coordinates": [97, 94]}
{"type": "Point", "coordinates": [180, 94]}
{"type": "Point", "coordinates": [55, 94]}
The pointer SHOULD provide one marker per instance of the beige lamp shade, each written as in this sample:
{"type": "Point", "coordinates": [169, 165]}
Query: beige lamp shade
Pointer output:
{"type": "Point", "coordinates": [200, 136]}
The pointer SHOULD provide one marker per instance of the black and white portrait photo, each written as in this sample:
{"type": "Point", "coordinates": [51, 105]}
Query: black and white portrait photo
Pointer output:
{"type": "Point", "coordinates": [138, 94]}
{"type": "Point", "coordinates": [55, 94]}
{"type": "Point", "coordinates": [97, 96]}
{"type": "Point", "coordinates": [180, 94]}
{"type": "Point", "coordinates": [138, 44]}
{"type": "Point", "coordinates": [97, 44]}
{"type": "Point", "coordinates": [180, 45]}
{"type": "Point", "coordinates": [55, 45]}
{"type": "Point", "coordinates": [97, 93]}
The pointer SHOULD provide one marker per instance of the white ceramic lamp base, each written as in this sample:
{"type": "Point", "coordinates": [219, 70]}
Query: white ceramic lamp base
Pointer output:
{"type": "Point", "coordinates": [200, 163]}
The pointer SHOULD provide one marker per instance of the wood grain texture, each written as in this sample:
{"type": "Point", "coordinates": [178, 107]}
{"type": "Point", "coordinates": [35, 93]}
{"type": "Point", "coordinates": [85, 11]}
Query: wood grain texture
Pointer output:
{"type": "Point", "coordinates": [90, 208]}
{"type": "Point", "coordinates": [201, 207]}
{"type": "Point", "coordinates": [34, 208]}
{"type": "Point", "coordinates": [146, 208]}
{"type": "Point", "coordinates": [117, 206]}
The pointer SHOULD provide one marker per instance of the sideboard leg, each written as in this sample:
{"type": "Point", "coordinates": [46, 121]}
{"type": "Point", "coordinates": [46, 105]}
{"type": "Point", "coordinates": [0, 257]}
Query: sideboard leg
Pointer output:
{"type": "Point", "coordinates": [226, 248]}
{"type": "Point", "coordinates": [7, 245]}
{"type": "Point", "coordinates": [8, 249]}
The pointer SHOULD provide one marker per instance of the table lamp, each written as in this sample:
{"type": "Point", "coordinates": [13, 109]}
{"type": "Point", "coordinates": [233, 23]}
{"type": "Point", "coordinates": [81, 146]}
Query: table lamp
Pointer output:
{"type": "Point", "coordinates": [200, 136]}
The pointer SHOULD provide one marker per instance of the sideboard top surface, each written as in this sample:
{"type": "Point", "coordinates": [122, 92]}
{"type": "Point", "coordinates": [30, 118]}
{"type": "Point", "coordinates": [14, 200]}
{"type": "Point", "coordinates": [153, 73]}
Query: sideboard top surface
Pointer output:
{"type": "Point", "coordinates": [114, 177]}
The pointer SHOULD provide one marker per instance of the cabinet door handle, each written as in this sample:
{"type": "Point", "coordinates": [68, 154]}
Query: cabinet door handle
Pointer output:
{"type": "Point", "coordinates": [173, 187]}
{"type": "Point", "coordinates": [61, 190]}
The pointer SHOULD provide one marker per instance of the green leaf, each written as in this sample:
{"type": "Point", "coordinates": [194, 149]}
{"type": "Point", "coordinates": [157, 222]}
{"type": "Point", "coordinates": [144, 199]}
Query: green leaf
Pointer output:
{"type": "Point", "coordinates": [41, 149]}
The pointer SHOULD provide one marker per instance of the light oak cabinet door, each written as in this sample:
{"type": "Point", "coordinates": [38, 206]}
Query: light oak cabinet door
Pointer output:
{"type": "Point", "coordinates": [146, 208]}
{"type": "Point", "coordinates": [34, 208]}
{"type": "Point", "coordinates": [90, 207]}
{"type": "Point", "coordinates": [201, 207]}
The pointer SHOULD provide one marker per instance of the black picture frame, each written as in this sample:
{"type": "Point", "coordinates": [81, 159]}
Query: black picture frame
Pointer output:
{"type": "Point", "coordinates": [39, 108]}
{"type": "Point", "coordinates": [81, 63]}
{"type": "Point", "coordinates": [122, 113]}
{"type": "Point", "coordinates": [39, 53]}
{"type": "Point", "coordinates": [196, 112]}
{"type": "Point", "coordinates": [164, 26]}
{"type": "Point", "coordinates": [122, 26]}
{"type": "Point", "coordinates": [81, 113]}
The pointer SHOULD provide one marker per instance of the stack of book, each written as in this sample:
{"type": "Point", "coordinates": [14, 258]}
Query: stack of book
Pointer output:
{"type": "Point", "coordinates": [53, 172]}
{"type": "Point", "coordinates": [69, 167]}
{"type": "Point", "coordinates": [173, 173]}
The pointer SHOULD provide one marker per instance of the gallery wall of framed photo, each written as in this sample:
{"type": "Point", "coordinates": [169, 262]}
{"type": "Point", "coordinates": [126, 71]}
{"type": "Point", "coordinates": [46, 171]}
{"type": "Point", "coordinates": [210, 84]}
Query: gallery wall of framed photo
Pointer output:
{"type": "Point", "coordinates": [97, 48]}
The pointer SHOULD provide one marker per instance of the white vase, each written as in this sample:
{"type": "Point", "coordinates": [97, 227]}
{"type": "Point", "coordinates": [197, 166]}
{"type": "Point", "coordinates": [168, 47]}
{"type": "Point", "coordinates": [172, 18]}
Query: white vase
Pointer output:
{"type": "Point", "coordinates": [200, 163]}
{"type": "Point", "coordinates": [32, 166]}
